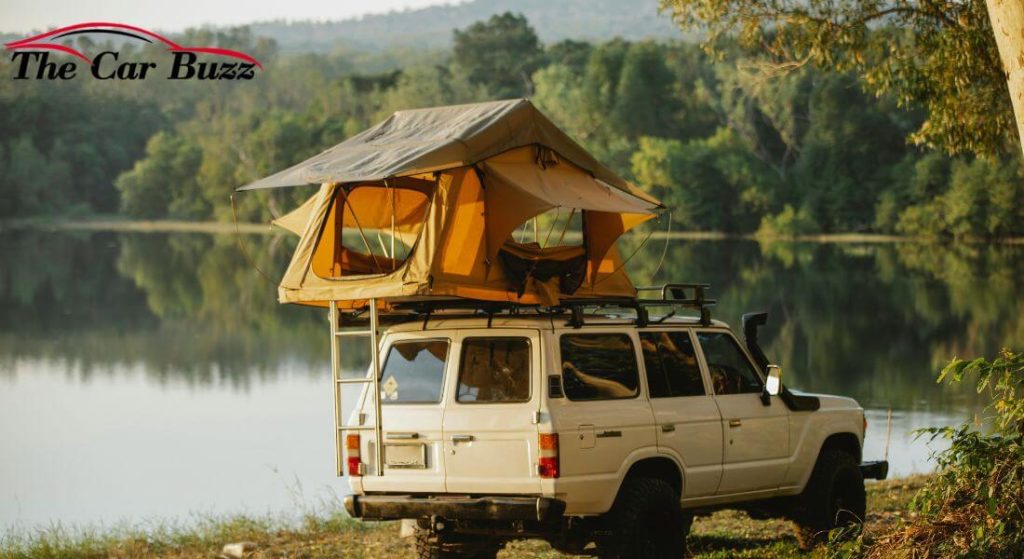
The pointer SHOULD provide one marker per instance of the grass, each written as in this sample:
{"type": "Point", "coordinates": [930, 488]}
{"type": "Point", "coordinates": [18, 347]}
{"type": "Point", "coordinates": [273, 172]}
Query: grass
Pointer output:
{"type": "Point", "coordinates": [725, 534]}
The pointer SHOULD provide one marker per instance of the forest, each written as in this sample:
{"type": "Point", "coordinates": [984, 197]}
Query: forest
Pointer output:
{"type": "Point", "coordinates": [727, 140]}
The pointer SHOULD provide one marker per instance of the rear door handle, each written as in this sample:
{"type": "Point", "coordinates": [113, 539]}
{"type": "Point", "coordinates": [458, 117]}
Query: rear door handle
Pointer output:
{"type": "Point", "coordinates": [401, 436]}
{"type": "Point", "coordinates": [607, 434]}
{"type": "Point", "coordinates": [735, 422]}
{"type": "Point", "coordinates": [462, 438]}
{"type": "Point", "coordinates": [668, 428]}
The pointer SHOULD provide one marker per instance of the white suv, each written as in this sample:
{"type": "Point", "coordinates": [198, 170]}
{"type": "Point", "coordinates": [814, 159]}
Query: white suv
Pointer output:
{"type": "Point", "coordinates": [598, 433]}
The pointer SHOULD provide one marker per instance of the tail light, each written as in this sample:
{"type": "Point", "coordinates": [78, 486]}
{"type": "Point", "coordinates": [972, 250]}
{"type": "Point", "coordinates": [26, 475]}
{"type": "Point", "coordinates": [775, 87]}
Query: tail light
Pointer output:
{"type": "Point", "coordinates": [355, 465]}
{"type": "Point", "coordinates": [547, 464]}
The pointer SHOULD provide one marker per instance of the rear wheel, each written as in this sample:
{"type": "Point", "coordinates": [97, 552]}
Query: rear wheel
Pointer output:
{"type": "Point", "coordinates": [834, 498]}
{"type": "Point", "coordinates": [439, 546]}
{"type": "Point", "coordinates": [645, 521]}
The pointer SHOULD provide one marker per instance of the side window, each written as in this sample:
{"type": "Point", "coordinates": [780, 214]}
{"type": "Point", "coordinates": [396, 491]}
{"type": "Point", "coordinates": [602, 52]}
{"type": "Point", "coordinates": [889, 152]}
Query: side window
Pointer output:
{"type": "Point", "coordinates": [494, 370]}
{"type": "Point", "coordinates": [671, 364]}
{"type": "Point", "coordinates": [728, 367]}
{"type": "Point", "coordinates": [598, 366]}
{"type": "Point", "coordinates": [413, 372]}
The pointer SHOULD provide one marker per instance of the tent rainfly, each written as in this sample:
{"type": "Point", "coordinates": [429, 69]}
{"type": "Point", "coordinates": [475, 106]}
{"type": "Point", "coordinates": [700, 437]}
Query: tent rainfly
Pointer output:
{"type": "Point", "coordinates": [424, 206]}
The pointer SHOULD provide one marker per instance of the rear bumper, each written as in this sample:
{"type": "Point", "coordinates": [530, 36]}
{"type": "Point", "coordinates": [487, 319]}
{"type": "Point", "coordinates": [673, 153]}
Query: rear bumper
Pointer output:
{"type": "Point", "coordinates": [390, 507]}
{"type": "Point", "coordinates": [877, 469]}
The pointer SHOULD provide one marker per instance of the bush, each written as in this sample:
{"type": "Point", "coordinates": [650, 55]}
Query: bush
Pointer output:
{"type": "Point", "coordinates": [788, 223]}
{"type": "Point", "coordinates": [974, 507]}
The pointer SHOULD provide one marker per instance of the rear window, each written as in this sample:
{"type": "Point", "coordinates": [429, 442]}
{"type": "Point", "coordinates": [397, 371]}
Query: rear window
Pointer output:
{"type": "Point", "coordinates": [598, 366]}
{"type": "Point", "coordinates": [494, 370]}
{"type": "Point", "coordinates": [414, 372]}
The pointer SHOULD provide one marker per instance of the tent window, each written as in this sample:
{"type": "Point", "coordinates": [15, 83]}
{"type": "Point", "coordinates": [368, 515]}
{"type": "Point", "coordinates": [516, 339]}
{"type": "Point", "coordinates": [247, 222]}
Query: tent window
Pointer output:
{"type": "Point", "coordinates": [378, 226]}
{"type": "Point", "coordinates": [553, 228]}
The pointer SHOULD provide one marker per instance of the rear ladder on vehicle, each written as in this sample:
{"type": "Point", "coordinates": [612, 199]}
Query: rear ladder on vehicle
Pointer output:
{"type": "Point", "coordinates": [373, 378]}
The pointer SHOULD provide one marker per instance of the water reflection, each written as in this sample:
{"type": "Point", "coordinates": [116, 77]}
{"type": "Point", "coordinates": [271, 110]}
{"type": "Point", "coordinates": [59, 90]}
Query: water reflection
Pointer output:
{"type": "Point", "coordinates": [165, 356]}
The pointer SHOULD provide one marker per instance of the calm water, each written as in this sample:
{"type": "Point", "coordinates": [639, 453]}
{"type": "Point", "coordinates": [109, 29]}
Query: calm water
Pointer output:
{"type": "Point", "coordinates": [153, 376]}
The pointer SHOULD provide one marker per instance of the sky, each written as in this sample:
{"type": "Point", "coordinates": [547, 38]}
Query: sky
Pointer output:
{"type": "Point", "coordinates": [21, 16]}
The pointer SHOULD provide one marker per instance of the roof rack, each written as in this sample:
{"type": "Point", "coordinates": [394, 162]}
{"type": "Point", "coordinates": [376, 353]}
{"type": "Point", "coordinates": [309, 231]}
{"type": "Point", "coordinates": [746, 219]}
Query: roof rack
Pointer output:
{"type": "Point", "coordinates": [688, 295]}
{"type": "Point", "coordinates": [678, 295]}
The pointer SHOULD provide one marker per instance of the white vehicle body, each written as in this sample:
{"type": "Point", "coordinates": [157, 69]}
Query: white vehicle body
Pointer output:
{"type": "Point", "coordinates": [716, 448]}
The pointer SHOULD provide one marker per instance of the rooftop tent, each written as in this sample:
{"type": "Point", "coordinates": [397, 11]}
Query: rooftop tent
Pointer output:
{"type": "Point", "coordinates": [424, 206]}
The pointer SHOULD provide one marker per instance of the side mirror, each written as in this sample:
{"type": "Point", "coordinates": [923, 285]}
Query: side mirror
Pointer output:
{"type": "Point", "coordinates": [773, 385]}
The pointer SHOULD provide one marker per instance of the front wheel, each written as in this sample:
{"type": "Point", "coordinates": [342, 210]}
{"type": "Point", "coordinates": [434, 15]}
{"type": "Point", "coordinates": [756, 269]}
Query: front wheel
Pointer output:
{"type": "Point", "coordinates": [645, 521]}
{"type": "Point", "coordinates": [834, 498]}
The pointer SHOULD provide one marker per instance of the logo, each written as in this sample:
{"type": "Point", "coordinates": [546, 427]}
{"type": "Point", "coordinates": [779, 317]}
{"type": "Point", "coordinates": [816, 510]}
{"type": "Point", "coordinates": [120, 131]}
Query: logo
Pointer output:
{"type": "Point", "coordinates": [31, 57]}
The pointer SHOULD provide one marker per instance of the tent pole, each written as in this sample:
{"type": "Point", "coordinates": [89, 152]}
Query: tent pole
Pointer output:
{"type": "Point", "coordinates": [392, 255]}
{"type": "Point", "coordinates": [360, 228]}
{"type": "Point", "coordinates": [566, 226]}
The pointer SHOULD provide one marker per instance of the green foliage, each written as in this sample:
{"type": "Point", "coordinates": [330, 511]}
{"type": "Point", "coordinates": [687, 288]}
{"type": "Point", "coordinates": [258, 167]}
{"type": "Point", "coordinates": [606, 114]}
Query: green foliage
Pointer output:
{"type": "Point", "coordinates": [975, 506]}
{"type": "Point", "coordinates": [65, 144]}
{"type": "Point", "coordinates": [788, 223]}
{"type": "Point", "coordinates": [711, 183]}
{"type": "Point", "coordinates": [938, 55]}
{"type": "Point", "coordinates": [984, 198]}
{"type": "Point", "coordinates": [164, 183]}
{"type": "Point", "coordinates": [500, 54]}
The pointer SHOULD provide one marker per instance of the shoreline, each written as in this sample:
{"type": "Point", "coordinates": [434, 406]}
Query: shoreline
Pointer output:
{"type": "Point", "coordinates": [118, 224]}
{"type": "Point", "coordinates": [331, 534]}
{"type": "Point", "coordinates": [115, 224]}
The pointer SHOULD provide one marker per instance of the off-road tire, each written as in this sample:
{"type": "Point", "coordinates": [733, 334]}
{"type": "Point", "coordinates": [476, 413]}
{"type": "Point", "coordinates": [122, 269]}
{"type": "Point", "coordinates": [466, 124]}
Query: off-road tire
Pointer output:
{"type": "Point", "coordinates": [435, 546]}
{"type": "Point", "coordinates": [645, 521]}
{"type": "Point", "coordinates": [834, 498]}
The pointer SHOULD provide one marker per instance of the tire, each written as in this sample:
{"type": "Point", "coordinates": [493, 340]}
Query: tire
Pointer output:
{"type": "Point", "coordinates": [834, 498]}
{"type": "Point", "coordinates": [645, 521]}
{"type": "Point", "coordinates": [435, 546]}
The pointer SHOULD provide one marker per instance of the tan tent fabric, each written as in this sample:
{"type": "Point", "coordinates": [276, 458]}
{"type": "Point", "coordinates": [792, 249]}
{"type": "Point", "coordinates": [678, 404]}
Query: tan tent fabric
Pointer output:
{"type": "Point", "coordinates": [295, 221]}
{"type": "Point", "coordinates": [426, 140]}
{"type": "Point", "coordinates": [452, 184]}
{"type": "Point", "coordinates": [519, 188]}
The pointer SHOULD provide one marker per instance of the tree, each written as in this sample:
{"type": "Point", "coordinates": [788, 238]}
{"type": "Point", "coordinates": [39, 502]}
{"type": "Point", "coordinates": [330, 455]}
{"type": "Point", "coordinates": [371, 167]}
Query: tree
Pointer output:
{"type": "Point", "coordinates": [500, 54]}
{"type": "Point", "coordinates": [937, 54]}
{"type": "Point", "coordinates": [1007, 22]}
{"type": "Point", "coordinates": [644, 104]}
{"type": "Point", "coordinates": [164, 183]}
{"type": "Point", "coordinates": [710, 184]}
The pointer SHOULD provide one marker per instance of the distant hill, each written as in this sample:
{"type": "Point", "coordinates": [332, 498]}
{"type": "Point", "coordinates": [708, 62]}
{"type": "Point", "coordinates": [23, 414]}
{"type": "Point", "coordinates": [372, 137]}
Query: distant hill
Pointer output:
{"type": "Point", "coordinates": [431, 28]}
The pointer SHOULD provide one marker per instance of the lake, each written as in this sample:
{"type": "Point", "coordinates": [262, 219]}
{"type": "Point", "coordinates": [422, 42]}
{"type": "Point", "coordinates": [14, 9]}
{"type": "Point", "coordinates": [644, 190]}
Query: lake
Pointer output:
{"type": "Point", "coordinates": [152, 377]}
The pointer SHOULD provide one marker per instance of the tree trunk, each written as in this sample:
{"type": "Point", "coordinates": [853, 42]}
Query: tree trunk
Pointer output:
{"type": "Point", "coordinates": [1008, 24]}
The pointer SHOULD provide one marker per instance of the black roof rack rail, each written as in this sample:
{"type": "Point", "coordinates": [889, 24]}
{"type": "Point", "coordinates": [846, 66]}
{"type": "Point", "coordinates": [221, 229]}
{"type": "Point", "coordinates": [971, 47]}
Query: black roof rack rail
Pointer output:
{"type": "Point", "coordinates": [672, 295]}
{"type": "Point", "coordinates": [686, 295]}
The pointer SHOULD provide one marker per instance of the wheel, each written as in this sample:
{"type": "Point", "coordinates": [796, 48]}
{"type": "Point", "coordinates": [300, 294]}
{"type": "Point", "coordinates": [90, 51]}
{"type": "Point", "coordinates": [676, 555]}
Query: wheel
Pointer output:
{"type": "Point", "coordinates": [436, 546]}
{"type": "Point", "coordinates": [834, 498]}
{"type": "Point", "coordinates": [645, 521]}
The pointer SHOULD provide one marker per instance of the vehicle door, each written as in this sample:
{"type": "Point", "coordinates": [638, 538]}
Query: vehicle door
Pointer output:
{"type": "Point", "coordinates": [490, 419]}
{"type": "Point", "coordinates": [601, 414]}
{"type": "Point", "coordinates": [689, 425]}
{"type": "Point", "coordinates": [412, 390]}
{"type": "Point", "coordinates": [756, 436]}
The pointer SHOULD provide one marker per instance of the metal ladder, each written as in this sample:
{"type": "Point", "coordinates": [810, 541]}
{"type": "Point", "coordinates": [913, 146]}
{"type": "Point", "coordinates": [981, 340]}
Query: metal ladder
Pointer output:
{"type": "Point", "coordinates": [373, 378]}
